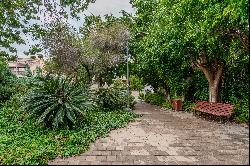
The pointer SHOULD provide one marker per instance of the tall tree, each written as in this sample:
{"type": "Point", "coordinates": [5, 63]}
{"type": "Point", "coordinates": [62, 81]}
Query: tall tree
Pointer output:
{"type": "Point", "coordinates": [203, 34]}
{"type": "Point", "coordinates": [22, 16]}
{"type": "Point", "coordinates": [101, 48]}
{"type": "Point", "coordinates": [63, 46]}
{"type": "Point", "coordinates": [108, 44]}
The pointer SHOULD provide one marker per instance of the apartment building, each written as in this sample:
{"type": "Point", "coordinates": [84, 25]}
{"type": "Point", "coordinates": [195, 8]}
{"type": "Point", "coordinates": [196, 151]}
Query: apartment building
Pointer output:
{"type": "Point", "coordinates": [18, 67]}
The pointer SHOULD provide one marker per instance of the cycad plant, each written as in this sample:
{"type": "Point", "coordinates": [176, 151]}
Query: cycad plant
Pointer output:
{"type": "Point", "coordinates": [57, 101]}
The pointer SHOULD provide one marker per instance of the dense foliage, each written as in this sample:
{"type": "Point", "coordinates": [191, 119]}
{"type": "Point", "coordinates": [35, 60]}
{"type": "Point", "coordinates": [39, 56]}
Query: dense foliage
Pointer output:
{"type": "Point", "coordinates": [135, 83]}
{"type": "Point", "coordinates": [154, 98]}
{"type": "Point", "coordinates": [185, 49]}
{"type": "Point", "coordinates": [193, 49]}
{"type": "Point", "coordinates": [22, 17]}
{"type": "Point", "coordinates": [22, 142]}
{"type": "Point", "coordinates": [112, 98]}
{"type": "Point", "coordinates": [98, 53]}
{"type": "Point", "coordinates": [58, 102]}
{"type": "Point", "coordinates": [7, 82]}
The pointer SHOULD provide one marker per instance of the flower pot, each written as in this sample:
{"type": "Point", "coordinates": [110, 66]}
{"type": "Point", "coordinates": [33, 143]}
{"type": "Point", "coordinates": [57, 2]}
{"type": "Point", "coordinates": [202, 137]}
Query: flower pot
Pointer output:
{"type": "Point", "coordinates": [177, 104]}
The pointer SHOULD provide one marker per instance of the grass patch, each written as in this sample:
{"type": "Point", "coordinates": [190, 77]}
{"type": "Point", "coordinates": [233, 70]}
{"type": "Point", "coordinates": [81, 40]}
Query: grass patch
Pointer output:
{"type": "Point", "coordinates": [22, 142]}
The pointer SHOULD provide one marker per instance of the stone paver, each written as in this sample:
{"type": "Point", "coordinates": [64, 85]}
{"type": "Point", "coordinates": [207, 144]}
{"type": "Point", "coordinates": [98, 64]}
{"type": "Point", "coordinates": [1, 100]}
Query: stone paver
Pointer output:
{"type": "Point", "coordinates": [164, 137]}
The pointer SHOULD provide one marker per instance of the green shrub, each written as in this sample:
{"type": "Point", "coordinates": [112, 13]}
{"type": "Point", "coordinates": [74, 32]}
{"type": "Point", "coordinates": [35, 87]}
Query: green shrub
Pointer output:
{"type": "Point", "coordinates": [167, 105]}
{"type": "Point", "coordinates": [23, 84]}
{"type": "Point", "coordinates": [112, 98]}
{"type": "Point", "coordinates": [7, 82]}
{"type": "Point", "coordinates": [119, 84]}
{"type": "Point", "coordinates": [136, 83]}
{"type": "Point", "coordinates": [57, 102]}
{"type": "Point", "coordinates": [241, 111]}
{"type": "Point", "coordinates": [155, 98]}
{"type": "Point", "coordinates": [188, 106]}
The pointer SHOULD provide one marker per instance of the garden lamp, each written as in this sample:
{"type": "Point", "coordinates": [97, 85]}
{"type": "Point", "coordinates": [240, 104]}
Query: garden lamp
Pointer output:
{"type": "Point", "coordinates": [127, 57]}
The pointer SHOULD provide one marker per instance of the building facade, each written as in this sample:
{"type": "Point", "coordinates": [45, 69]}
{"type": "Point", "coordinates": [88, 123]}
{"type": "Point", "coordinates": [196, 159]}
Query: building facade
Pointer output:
{"type": "Point", "coordinates": [18, 67]}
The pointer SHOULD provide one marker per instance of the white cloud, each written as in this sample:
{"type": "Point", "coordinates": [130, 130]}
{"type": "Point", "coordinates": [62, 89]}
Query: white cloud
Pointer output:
{"type": "Point", "coordinates": [102, 7]}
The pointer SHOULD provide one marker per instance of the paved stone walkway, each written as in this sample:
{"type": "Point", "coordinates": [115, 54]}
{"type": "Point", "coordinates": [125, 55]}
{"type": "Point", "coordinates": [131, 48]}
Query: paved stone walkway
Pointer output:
{"type": "Point", "coordinates": [163, 137]}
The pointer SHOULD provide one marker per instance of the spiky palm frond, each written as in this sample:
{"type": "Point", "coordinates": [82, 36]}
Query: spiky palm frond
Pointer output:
{"type": "Point", "coordinates": [57, 101]}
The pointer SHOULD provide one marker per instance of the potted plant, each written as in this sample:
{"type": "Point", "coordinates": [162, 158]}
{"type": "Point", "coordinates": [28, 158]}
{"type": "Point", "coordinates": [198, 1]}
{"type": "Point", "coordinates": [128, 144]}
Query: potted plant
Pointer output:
{"type": "Point", "coordinates": [177, 103]}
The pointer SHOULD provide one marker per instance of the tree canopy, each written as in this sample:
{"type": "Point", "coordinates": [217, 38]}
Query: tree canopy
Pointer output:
{"type": "Point", "coordinates": [178, 35]}
{"type": "Point", "coordinates": [20, 17]}
{"type": "Point", "coordinates": [99, 50]}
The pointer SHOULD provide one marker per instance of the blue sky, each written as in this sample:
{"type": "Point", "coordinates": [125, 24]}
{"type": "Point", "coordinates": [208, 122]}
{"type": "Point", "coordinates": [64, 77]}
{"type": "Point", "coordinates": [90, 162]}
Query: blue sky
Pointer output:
{"type": "Point", "coordinates": [100, 7]}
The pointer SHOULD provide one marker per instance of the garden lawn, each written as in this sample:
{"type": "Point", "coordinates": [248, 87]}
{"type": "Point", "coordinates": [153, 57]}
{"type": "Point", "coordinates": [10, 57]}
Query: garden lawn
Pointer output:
{"type": "Point", "coordinates": [22, 142]}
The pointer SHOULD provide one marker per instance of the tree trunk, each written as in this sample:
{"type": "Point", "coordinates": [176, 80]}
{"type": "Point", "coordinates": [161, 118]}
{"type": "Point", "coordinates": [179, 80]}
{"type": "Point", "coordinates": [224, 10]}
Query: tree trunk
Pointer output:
{"type": "Point", "coordinates": [213, 93]}
{"type": "Point", "coordinates": [166, 92]}
{"type": "Point", "coordinates": [214, 76]}
{"type": "Point", "coordinates": [100, 81]}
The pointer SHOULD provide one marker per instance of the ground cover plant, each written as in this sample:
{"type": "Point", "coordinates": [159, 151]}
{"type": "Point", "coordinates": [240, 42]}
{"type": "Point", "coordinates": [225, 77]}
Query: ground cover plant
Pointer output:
{"type": "Point", "coordinates": [31, 132]}
{"type": "Point", "coordinates": [22, 142]}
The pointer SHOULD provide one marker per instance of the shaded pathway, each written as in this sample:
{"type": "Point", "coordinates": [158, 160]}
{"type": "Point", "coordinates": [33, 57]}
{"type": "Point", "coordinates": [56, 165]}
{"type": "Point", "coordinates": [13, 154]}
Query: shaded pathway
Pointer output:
{"type": "Point", "coordinates": [166, 137]}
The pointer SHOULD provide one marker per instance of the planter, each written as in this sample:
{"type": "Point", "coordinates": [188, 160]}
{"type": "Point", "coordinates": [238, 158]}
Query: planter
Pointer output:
{"type": "Point", "coordinates": [177, 104]}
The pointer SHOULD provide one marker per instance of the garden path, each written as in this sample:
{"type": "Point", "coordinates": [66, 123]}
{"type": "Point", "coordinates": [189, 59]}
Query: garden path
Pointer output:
{"type": "Point", "coordinates": [162, 137]}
